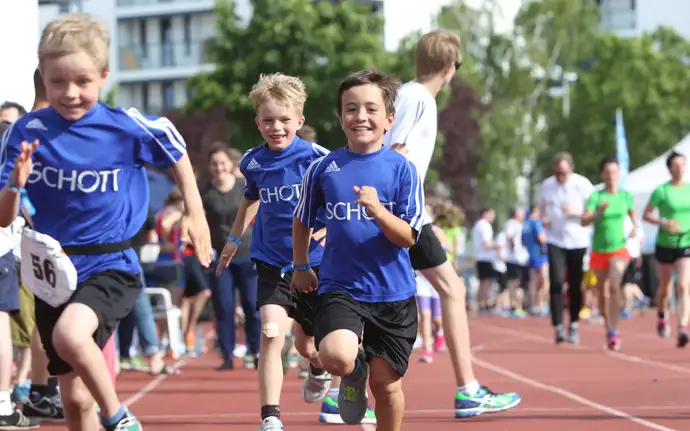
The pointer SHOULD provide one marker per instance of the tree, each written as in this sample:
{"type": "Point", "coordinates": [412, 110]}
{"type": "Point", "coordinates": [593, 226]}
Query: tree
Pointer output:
{"type": "Point", "coordinates": [320, 42]}
{"type": "Point", "coordinates": [649, 79]}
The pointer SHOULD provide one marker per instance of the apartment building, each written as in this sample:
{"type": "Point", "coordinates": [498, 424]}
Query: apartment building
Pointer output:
{"type": "Point", "coordinates": [156, 46]}
{"type": "Point", "coordinates": [631, 18]}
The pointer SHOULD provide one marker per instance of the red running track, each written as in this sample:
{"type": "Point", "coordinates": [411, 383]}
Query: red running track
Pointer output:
{"type": "Point", "coordinates": [563, 387]}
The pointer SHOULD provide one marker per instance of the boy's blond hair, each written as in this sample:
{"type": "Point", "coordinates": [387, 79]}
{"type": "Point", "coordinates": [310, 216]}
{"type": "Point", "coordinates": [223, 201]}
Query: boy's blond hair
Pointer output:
{"type": "Point", "coordinates": [436, 50]}
{"type": "Point", "coordinates": [285, 90]}
{"type": "Point", "coordinates": [75, 33]}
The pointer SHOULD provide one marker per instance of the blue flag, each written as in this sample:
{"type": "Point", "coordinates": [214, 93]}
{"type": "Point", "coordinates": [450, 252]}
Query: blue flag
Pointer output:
{"type": "Point", "coordinates": [622, 147]}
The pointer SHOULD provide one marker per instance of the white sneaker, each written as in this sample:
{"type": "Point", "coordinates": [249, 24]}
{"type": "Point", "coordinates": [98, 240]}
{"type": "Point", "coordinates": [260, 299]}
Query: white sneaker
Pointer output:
{"type": "Point", "coordinates": [315, 388]}
{"type": "Point", "coordinates": [271, 423]}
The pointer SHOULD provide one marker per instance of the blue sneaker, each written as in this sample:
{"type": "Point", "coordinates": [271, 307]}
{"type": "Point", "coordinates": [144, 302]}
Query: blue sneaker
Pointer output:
{"type": "Point", "coordinates": [484, 401]}
{"type": "Point", "coordinates": [330, 414]}
{"type": "Point", "coordinates": [353, 400]}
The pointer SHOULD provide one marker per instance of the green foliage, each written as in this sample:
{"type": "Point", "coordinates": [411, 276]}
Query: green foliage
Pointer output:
{"type": "Point", "coordinates": [110, 97]}
{"type": "Point", "coordinates": [649, 79]}
{"type": "Point", "coordinates": [320, 42]}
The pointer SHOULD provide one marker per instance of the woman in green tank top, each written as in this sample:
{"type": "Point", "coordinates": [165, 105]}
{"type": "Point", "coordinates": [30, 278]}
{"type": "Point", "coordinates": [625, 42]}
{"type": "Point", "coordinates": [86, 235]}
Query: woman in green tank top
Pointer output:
{"type": "Point", "coordinates": [607, 210]}
{"type": "Point", "coordinates": [672, 200]}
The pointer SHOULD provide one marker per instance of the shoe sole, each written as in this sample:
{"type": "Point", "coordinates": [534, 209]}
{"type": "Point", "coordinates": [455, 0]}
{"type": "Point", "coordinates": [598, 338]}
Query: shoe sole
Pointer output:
{"type": "Point", "coordinates": [335, 419]}
{"type": "Point", "coordinates": [470, 413]}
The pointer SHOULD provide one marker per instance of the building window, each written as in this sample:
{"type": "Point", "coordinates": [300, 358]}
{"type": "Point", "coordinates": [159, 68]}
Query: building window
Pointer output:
{"type": "Point", "coordinates": [187, 23]}
{"type": "Point", "coordinates": [143, 38]}
{"type": "Point", "coordinates": [618, 14]}
{"type": "Point", "coordinates": [167, 48]}
{"type": "Point", "coordinates": [168, 95]}
{"type": "Point", "coordinates": [145, 97]}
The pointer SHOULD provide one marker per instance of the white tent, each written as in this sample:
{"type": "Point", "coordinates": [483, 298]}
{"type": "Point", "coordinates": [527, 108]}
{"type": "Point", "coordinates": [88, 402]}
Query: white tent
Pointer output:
{"type": "Point", "coordinates": [642, 181]}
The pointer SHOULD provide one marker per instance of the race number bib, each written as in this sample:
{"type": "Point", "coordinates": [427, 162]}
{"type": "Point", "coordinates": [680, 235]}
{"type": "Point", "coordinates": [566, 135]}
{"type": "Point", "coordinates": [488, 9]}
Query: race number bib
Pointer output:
{"type": "Point", "coordinates": [46, 270]}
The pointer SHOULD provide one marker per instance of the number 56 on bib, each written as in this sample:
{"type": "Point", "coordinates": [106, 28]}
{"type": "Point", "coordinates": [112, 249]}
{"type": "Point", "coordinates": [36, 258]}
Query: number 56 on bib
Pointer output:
{"type": "Point", "coordinates": [46, 270]}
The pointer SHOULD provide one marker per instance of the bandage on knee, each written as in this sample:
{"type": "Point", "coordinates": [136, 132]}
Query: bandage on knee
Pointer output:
{"type": "Point", "coordinates": [270, 330]}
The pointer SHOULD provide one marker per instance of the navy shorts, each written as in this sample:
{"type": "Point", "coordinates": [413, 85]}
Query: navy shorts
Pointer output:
{"type": "Point", "coordinates": [9, 283]}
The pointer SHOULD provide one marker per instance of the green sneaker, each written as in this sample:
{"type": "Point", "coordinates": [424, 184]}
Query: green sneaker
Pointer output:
{"type": "Point", "coordinates": [330, 414]}
{"type": "Point", "coordinates": [136, 363]}
{"type": "Point", "coordinates": [484, 401]}
{"type": "Point", "coordinates": [127, 423]}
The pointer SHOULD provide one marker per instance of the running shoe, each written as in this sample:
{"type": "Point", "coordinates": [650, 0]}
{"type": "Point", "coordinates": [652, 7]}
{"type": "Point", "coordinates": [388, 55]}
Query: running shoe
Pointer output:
{"type": "Point", "coordinates": [17, 421]}
{"type": "Point", "coordinates": [427, 357]}
{"type": "Point", "coordinates": [683, 338]}
{"type": "Point", "coordinates": [573, 334]}
{"type": "Point", "coordinates": [44, 408]}
{"type": "Point", "coordinates": [127, 423]}
{"type": "Point", "coordinates": [613, 342]}
{"type": "Point", "coordinates": [353, 400]}
{"type": "Point", "coordinates": [271, 423]}
{"type": "Point", "coordinates": [439, 343]}
{"type": "Point", "coordinates": [315, 388]}
{"type": "Point", "coordinates": [484, 401]}
{"type": "Point", "coordinates": [663, 328]}
{"type": "Point", "coordinates": [330, 414]}
{"type": "Point", "coordinates": [559, 334]}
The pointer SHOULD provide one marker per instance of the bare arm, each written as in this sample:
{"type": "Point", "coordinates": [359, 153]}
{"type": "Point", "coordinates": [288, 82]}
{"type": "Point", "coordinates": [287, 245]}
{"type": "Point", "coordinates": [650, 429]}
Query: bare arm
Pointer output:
{"type": "Point", "coordinates": [245, 215]}
{"type": "Point", "coordinates": [588, 218]}
{"type": "Point", "coordinates": [186, 181]}
{"type": "Point", "coordinates": [9, 206]}
{"type": "Point", "coordinates": [301, 238]}
{"type": "Point", "coordinates": [397, 230]}
{"type": "Point", "coordinates": [649, 217]}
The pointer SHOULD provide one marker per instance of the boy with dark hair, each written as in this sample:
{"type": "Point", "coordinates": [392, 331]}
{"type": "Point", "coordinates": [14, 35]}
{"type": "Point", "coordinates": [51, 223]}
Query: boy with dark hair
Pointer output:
{"type": "Point", "coordinates": [367, 285]}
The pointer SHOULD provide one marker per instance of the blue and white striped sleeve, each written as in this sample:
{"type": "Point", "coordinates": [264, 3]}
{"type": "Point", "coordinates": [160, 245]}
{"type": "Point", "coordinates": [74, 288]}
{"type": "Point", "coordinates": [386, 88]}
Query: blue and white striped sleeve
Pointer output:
{"type": "Point", "coordinates": [161, 145]}
{"type": "Point", "coordinates": [410, 203]}
{"type": "Point", "coordinates": [311, 198]}
{"type": "Point", "coordinates": [319, 150]}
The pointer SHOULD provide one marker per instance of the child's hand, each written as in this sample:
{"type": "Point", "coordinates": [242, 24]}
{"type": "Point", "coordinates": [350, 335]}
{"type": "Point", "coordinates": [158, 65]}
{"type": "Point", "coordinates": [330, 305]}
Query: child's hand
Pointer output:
{"type": "Point", "coordinates": [320, 235]}
{"type": "Point", "coordinates": [304, 281]}
{"type": "Point", "coordinates": [23, 165]}
{"type": "Point", "coordinates": [368, 198]}
{"type": "Point", "coordinates": [194, 230]}
{"type": "Point", "coordinates": [225, 256]}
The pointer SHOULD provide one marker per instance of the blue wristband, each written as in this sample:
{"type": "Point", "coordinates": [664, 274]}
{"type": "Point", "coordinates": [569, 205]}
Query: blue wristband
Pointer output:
{"type": "Point", "coordinates": [301, 267]}
{"type": "Point", "coordinates": [235, 240]}
{"type": "Point", "coordinates": [15, 189]}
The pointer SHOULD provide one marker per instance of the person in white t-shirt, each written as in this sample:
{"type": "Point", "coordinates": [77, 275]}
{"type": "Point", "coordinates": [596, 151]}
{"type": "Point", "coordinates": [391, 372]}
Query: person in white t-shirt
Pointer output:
{"type": "Point", "coordinates": [437, 59]}
{"type": "Point", "coordinates": [485, 255]}
{"type": "Point", "coordinates": [562, 202]}
{"type": "Point", "coordinates": [516, 258]}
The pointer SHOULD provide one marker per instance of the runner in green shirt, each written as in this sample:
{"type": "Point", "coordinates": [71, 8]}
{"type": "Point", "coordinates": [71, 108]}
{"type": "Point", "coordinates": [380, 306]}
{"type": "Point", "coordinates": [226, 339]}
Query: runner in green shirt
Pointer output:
{"type": "Point", "coordinates": [672, 200]}
{"type": "Point", "coordinates": [607, 209]}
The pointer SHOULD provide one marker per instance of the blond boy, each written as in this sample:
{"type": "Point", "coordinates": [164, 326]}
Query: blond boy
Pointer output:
{"type": "Point", "coordinates": [438, 58]}
{"type": "Point", "coordinates": [273, 173]}
{"type": "Point", "coordinates": [81, 163]}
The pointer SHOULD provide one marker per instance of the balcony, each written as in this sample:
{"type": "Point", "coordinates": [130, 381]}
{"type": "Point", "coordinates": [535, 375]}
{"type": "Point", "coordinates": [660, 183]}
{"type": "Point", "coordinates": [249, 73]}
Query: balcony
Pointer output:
{"type": "Point", "coordinates": [169, 61]}
{"type": "Point", "coordinates": [154, 8]}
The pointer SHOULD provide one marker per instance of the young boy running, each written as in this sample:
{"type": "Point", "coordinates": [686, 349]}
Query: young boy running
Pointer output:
{"type": "Point", "coordinates": [438, 58]}
{"type": "Point", "coordinates": [82, 165]}
{"type": "Point", "coordinates": [273, 173]}
{"type": "Point", "coordinates": [374, 202]}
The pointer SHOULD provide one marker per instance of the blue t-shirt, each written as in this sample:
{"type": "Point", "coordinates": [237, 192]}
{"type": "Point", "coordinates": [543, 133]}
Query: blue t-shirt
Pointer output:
{"type": "Point", "coordinates": [88, 183]}
{"type": "Point", "coordinates": [359, 259]}
{"type": "Point", "coordinates": [274, 178]}
{"type": "Point", "coordinates": [531, 230]}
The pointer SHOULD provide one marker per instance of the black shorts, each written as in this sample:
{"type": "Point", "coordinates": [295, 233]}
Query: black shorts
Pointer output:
{"type": "Point", "coordinates": [669, 255]}
{"type": "Point", "coordinates": [485, 270]}
{"type": "Point", "coordinates": [515, 272]}
{"type": "Point", "coordinates": [9, 283]}
{"type": "Point", "coordinates": [428, 251]}
{"type": "Point", "coordinates": [632, 275]}
{"type": "Point", "coordinates": [196, 278]}
{"type": "Point", "coordinates": [389, 328]}
{"type": "Point", "coordinates": [275, 289]}
{"type": "Point", "coordinates": [110, 294]}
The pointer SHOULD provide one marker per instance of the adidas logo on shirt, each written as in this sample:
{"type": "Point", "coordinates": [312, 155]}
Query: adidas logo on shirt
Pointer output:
{"type": "Point", "coordinates": [332, 167]}
{"type": "Point", "coordinates": [253, 164]}
{"type": "Point", "coordinates": [36, 124]}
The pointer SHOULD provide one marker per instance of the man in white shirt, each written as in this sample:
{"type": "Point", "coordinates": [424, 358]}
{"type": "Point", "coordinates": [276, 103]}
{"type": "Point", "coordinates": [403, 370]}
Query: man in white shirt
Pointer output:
{"type": "Point", "coordinates": [485, 255]}
{"type": "Point", "coordinates": [562, 201]}
{"type": "Point", "coordinates": [413, 134]}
